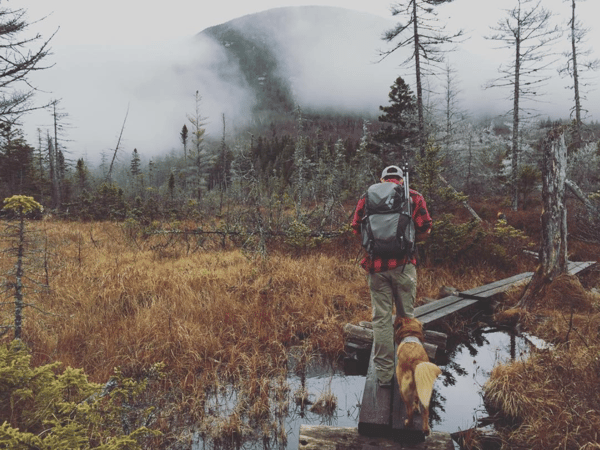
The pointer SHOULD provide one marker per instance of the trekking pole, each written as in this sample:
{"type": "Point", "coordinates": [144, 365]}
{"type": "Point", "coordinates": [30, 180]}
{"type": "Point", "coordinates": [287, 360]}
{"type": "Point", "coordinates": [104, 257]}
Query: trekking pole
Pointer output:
{"type": "Point", "coordinates": [407, 190]}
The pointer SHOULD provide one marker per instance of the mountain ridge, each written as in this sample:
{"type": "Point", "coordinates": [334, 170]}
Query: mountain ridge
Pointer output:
{"type": "Point", "coordinates": [318, 58]}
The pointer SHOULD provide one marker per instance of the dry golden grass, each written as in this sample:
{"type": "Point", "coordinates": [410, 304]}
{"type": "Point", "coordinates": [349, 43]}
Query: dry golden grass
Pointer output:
{"type": "Point", "coordinates": [113, 302]}
{"type": "Point", "coordinates": [552, 400]}
{"type": "Point", "coordinates": [117, 300]}
{"type": "Point", "coordinates": [216, 317]}
{"type": "Point", "coordinates": [223, 319]}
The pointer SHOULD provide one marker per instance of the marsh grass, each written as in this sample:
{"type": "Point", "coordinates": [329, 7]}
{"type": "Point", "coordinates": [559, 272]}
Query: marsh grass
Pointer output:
{"type": "Point", "coordinates": [227, 323]}
{"type": "Point", "coordinates": [552, 399]}
{"type": "Point", "coordinates": [216, 317]}
{"type": "Point", "coordinates": [326, 403]}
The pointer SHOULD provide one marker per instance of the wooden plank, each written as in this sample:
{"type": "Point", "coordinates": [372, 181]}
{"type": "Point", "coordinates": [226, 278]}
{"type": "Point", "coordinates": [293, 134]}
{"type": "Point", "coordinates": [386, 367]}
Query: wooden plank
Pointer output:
{"type": "Point", "coordinates": [360, 336]}
{"type": "Point", "coordinates": [400, 433]}
{"type": "Point", "coordinates": [436, 338]}
{"type": "Point", "coordinates": [440, 314]}
{"type": "Point", "coordinates": [498, 286]}
{"type": "Point", "coordinates": [376, 406]}
{"type": "Point", "coordinates": [436, 305]}
{"type": "Point", "coordinates": [435, 311]}
{"type": "Point", "coordinates": [578, 267]}
{"type": "Point", "coordinates": [319, 437]}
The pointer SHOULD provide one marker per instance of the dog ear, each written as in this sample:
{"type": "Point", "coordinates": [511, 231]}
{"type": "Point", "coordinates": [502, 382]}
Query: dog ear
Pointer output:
{"type": "Point", "coordinates": [398, 322]}
{"type": "Point", "coordinates": [398, 329]}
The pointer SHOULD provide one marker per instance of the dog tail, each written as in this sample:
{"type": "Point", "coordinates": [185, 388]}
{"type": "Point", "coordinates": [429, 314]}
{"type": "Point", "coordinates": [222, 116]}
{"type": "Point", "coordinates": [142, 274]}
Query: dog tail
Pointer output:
{"type": "Point", "coordinates": [425, 375]}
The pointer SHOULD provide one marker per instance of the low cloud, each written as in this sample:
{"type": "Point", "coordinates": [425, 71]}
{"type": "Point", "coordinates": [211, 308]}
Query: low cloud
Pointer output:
{"type": "Point", "coordinates": [329, 55]}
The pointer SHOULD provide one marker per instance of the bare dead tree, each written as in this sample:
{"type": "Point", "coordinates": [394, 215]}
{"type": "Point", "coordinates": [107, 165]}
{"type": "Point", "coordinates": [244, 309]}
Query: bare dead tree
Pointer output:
{"type": "Point", "coordinates": [112, 162]}
{"type": "Point", "coordinates": [527, 32]}
{"type": "Point", "coordinates": [577, 63]}
{"type": "Point", "coordinates": [59, 124]}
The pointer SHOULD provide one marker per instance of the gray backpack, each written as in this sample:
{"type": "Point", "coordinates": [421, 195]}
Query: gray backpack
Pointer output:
{"type": "Point", "coordinates": [387, 228]}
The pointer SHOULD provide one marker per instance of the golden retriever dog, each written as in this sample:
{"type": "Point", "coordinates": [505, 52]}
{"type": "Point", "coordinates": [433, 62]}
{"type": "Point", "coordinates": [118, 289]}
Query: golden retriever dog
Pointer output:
{"type": "Point", "coordinates": [414, 372]}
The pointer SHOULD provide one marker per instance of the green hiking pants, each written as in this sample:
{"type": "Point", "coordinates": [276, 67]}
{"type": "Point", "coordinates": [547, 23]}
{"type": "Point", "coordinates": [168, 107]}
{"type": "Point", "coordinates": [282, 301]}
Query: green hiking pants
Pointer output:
{"type": "Point", "coordinates": [396, 287]}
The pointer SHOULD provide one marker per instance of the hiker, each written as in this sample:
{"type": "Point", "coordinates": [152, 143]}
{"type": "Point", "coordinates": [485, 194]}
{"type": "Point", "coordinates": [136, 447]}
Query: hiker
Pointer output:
{"type": "Point", "coordinates": [392, 279]}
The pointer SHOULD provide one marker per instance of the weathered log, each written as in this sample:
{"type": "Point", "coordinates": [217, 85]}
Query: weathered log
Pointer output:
{"type": "Point", "coordinates": [432, 337]}
{"type": "Point", "coordinates": [486, 438]}
{"type": "Point", "coordinates": [553, 252]}
{"type": "Point", "coordinates": [592, 212]}
{"type": "Point", "coordinates": [360, 338]}
{"type": "Point", "coordinates": [318, 437]}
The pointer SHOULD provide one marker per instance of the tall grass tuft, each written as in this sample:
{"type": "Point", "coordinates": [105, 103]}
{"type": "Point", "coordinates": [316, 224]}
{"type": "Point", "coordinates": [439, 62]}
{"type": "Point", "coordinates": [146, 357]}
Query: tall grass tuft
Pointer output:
{"type": "Point", "coordinates": [552, 400]}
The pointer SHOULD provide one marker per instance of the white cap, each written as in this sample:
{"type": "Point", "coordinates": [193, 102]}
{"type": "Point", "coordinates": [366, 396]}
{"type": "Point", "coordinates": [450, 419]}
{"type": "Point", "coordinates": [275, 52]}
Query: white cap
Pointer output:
{"type": "Point", "coordinates": [392, 171]}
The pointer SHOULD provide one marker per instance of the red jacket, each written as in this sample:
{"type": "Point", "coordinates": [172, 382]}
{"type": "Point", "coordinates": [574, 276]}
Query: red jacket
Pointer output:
{"type": "Point", "coordinates": [422, 221]}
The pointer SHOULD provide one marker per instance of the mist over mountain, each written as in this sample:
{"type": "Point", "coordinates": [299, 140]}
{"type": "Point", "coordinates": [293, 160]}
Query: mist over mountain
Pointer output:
{"type": "Point", "coordinates": [322, 59]}
{"type": "Point", "coordinates": [254, 70]}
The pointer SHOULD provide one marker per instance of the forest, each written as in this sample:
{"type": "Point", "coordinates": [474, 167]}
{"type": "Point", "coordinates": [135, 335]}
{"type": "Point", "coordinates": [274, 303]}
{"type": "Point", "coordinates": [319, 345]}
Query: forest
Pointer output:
{"type": "Point", "coordinates": [294, 151]}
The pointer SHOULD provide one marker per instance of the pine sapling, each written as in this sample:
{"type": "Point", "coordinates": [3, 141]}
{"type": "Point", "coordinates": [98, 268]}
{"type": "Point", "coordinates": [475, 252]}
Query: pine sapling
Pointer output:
{"type": "Point", "coordinates": [20, 205]}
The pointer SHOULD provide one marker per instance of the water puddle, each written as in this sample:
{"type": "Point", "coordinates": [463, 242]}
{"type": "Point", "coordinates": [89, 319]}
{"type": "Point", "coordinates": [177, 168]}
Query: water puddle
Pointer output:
{"type": "Point", "coordinates": [457, 403]}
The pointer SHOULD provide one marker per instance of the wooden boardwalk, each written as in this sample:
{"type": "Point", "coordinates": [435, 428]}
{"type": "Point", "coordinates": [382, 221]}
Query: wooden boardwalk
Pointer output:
{"type": "Point", "coordinates": [439, 309]}
{"type": "Point", "coordinates": [382, 410]}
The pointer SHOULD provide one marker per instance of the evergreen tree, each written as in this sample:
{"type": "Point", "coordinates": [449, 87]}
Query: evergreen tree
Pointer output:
{"type": "Point", "coordinates": [16, 162]}
{"type": "Point", "coordinates": [135, 169]}
{"type": "Point", "coordinates": [401, 130]}
{"type": "Point", "coordinates": [82, 175]}
{"type": "Point", "coordinates": [20, 205]}
{"type": "Point", "coordinates": [183, 135]}
{"type": "Point", "coordinates": [136, 172]}
{"type": "Point", "coordinates": [21, 55]}
{"type": "Point", "coordinates": [172, 186]}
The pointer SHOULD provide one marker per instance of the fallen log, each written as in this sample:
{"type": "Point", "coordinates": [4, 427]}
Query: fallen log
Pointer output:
{"type": "Point", "coordinates": [485, 437]}
{"type": "Point", "coordinates": [319, 437]}
{"type": "Point", "coordinates": [359, 339]}
{"type": "Point", "coordinates": [465, 204]}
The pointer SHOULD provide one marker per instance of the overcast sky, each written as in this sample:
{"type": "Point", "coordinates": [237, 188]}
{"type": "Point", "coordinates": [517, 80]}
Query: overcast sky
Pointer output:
{"type": "Point", "coordinates": [97, 43]}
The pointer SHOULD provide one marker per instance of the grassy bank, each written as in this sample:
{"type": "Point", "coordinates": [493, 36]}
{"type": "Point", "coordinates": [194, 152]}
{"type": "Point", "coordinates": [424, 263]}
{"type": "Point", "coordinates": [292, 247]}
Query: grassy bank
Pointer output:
{"type": "Point", "coordinates": [552, 399]}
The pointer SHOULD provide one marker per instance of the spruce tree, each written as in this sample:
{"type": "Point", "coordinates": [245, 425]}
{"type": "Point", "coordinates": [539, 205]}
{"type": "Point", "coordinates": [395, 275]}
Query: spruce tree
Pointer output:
{"type": "Point", "coordinates": [400, 132]}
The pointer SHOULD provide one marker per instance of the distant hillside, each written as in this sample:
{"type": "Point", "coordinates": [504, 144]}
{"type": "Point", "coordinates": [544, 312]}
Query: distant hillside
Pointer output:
{"type": "Point", "coordinates": [319, 58]}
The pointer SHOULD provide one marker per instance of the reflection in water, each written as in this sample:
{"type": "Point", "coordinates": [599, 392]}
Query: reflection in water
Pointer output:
{"type": "Point", "coordinates": [456, 405]}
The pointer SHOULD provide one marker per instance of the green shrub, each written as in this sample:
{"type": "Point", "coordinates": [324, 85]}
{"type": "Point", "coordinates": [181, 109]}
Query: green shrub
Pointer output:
{"type": "Point", "coordinates": [450, 241]}
{"type": "Point", "coordinates": [298, 236]}
{"type": "Point", "coordinates": [41, 408]}
{"type": "Point", "coordinates": [472, 242]}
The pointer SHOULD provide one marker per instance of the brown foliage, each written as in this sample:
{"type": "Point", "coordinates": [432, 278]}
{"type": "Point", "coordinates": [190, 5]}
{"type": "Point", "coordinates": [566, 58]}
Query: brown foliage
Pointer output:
{"type": "Point", "coordinates": [552, 400]}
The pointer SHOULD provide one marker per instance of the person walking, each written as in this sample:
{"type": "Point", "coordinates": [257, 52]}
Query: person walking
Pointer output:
{"type": "Point", "coordinates": [392, 280]}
